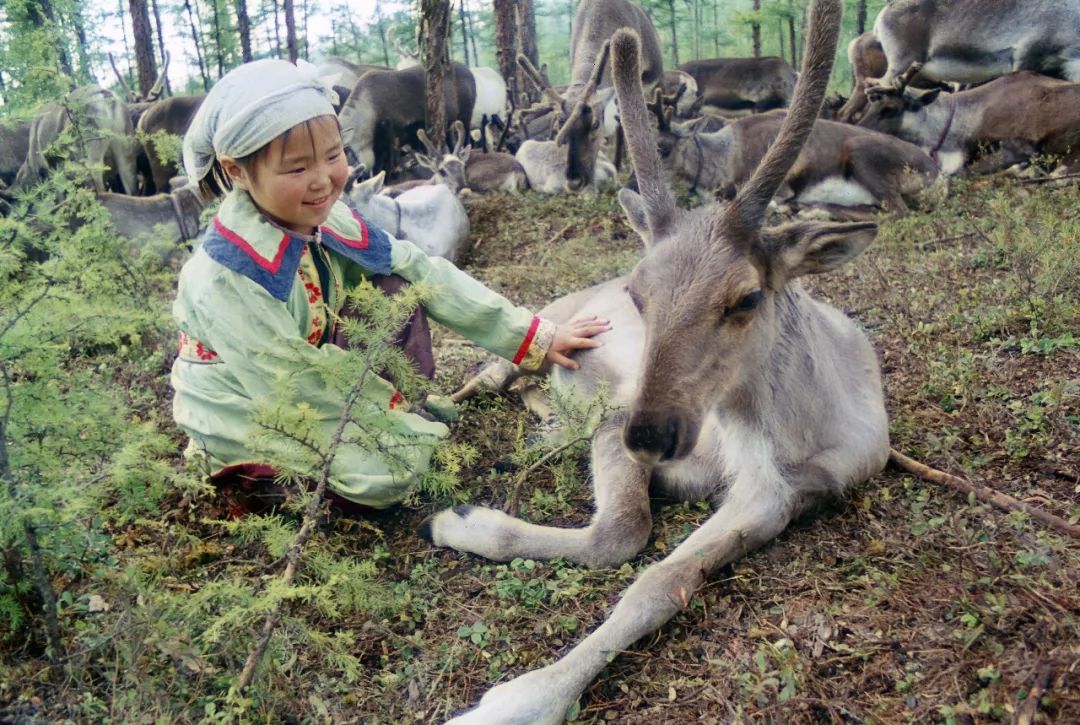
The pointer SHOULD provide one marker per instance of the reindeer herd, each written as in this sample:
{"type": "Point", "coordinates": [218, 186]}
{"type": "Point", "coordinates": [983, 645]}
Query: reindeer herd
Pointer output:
{"type": "Point", "coordinates": [728, 382]}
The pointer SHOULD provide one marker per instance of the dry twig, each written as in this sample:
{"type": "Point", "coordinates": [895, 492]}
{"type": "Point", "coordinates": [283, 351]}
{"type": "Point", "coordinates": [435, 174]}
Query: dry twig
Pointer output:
{"type": "Point", "coordinates": [988, 495]}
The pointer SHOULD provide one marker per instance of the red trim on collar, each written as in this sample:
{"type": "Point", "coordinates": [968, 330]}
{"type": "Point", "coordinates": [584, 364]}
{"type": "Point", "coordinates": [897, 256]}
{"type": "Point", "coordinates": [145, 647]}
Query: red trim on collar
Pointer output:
{"type": "Point", "coordinates": [270, 266]}
{"type": "Point", "coordinates": [527, 342]}
{"type": "Point", "coordinates": [361, 243]}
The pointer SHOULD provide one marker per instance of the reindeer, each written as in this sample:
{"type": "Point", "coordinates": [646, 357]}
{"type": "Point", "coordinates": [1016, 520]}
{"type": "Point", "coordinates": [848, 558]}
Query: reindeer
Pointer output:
{"type": "Point", "coordinates": [172, 115]}
{"type": "Point", "coordinates": [430, 216]}
{"type": "Point", "coordinates": [387, 107]}
{"type": "Point", "coordinates": [580, 120]}
{"type": "Point", "coordinates": [1014, 117]}
{"type": "Point", "coordinates": [868, 66]}
{"type": "Point", "coordinates": [736, 87]}
{"type": "Point", "coordinates": [103, 128]}
{"type": "Point", "coordinates": [173, 220]}
{"type": "Point", "coordinates": [840, 165]}
{"type": "Point", "coordinates": [972, 41]}
{"type": "Point", "coordinates": [14, 144]}
{"type": "Point", "coordinates": [730, 384]}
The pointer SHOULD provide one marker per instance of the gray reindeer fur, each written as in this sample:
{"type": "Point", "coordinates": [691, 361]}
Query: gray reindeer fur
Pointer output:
{"type": "Point", "coordinates": [732, 386]}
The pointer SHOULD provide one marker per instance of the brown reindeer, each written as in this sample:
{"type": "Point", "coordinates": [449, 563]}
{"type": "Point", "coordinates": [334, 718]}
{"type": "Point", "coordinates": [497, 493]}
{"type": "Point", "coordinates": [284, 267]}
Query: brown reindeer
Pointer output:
{"type": "Point", "coordinates": [840, 165]}
{"type": "Point", "coordinates": [731, 385]}
{"type": "Point", "coordinates": [868, 66]}
{"type": "Point", "coordinates": [995, 125]}
{"type": "Point", "coordinates": [172, 115]}
{"type": "Point", "coordinates": [736, 87]}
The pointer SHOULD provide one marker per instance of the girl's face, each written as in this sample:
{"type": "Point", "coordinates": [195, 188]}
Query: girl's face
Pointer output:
{"type": "Point", "coordinates": [297, 178]}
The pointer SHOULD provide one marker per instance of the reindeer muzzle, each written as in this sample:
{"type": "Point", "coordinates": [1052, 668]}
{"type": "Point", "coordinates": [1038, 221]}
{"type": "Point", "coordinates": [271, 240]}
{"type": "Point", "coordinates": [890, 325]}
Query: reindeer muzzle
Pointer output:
{"type": "Point", "coordinates": [654, 439]}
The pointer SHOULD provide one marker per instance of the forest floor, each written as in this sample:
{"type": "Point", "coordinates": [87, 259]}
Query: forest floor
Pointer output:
{"type": "Point", "coordinates": [905, 602]}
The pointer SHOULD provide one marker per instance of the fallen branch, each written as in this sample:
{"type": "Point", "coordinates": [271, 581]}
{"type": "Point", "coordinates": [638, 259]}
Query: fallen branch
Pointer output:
{"type": "Point", "coordinates": [1048, 179]}
{"type": "Point", "coordinates": [1026, 714]}
{"type": "Point", "coordinates": [981, 492]}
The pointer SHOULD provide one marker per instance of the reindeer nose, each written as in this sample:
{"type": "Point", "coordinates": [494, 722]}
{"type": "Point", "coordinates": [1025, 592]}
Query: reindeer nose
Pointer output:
{"type": "Point", "coordinates": [575, 183]}
{"type": "Point", "coordinates": [651, 440]}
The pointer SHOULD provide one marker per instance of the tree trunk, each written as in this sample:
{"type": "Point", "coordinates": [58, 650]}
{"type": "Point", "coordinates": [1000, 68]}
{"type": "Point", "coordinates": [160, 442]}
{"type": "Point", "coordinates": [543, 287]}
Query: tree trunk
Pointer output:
{"type": "Point", "coordinates": [217, 38]}
{"type": "Point", "coordinates": [290, 31]}
{"type": "Point", "coordinates": [674, 33]}
{"type": "Point", "coordinates": [791, 41]}
{"type": "Point", "coordinates": [305, 44]}
{"type": "Point", "coordinates": [472, 35]}
{"type": "Point", "coordinates": [86, 72]}
{"type": "Point", "coordinates": [755, 29]}
{"type": "Point", "coordinates": [526, 31]}
{"type": "Point", "coordinates": [381, 25]}
{"type": "Point", "coordinates": [41, 14]}
{"type": "Point", "coordinates": [144, 46]}
{"type": "Point", "coordinates": [464, 33]}
{"type": "Point", "coordinates": [860, 17]}
{"type": "Point", "coordinates": [277, 29]}
{"type": "Point", "coordinates": [780, 34]}
{"type": "Point", "coordinates": [525, 40]}
{"type": "Point", "coordinates": [506, 47]}
{"type": "Point", "coordinates": [716, 28]}
{"type": "Point", "coordinates": [243, 26]}
{"type": "Point", "coordinates": [161, 45]}
{"type": "Point", "coordinates": [198, 46]}
{"type": "Point", "coordinates": [434, 30]}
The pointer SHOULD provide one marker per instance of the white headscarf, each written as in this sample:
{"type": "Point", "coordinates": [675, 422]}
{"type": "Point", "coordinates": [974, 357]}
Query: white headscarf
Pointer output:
{"type": "Point", "coordinates": [251, 106]}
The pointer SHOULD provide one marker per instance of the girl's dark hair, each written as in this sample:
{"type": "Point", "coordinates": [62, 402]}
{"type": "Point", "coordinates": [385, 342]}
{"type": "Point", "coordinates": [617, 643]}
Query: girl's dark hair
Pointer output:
{"type": "Point", "coordinates": [217, 182]}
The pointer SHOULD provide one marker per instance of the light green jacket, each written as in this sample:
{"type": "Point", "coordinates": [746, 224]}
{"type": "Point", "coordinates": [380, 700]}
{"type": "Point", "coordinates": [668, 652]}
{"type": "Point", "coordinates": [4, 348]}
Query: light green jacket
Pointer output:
{"type": "Point", "coordinates": [234, 332]}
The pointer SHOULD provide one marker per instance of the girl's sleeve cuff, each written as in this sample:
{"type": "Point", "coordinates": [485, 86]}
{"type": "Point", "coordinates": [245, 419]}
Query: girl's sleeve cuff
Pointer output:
{"type": "Point", "coordinates": [534, 347]}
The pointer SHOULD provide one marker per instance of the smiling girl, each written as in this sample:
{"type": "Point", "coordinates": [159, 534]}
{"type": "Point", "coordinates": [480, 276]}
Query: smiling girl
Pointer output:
{"type": "Point", "coordinates": [258, 301]}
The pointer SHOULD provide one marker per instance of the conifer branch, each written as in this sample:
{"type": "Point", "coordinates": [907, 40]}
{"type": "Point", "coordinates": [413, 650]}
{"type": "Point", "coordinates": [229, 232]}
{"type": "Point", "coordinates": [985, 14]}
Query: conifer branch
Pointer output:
{"type": "Point", "coordinates": [41, 577]}
{"type": "Point", "coordinates": [354, 395]}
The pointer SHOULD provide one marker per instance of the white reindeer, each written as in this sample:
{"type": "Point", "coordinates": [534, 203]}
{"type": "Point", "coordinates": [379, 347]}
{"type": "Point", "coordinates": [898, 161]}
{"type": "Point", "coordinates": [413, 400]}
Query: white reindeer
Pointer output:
{"type": "Point", "coordinates": [430, 216]}
{"type": "Point", "coordinates": [732, 385]}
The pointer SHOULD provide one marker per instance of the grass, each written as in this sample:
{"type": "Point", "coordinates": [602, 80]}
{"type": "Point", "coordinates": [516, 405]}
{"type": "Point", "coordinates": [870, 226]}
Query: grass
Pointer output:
{"type": "Point", "coordinates": [906, 603]}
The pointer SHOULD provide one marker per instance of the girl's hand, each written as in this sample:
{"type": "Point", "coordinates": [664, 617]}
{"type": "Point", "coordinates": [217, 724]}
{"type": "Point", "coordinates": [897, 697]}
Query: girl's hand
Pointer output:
{"type": "Point", "coordinates": [575, 335]}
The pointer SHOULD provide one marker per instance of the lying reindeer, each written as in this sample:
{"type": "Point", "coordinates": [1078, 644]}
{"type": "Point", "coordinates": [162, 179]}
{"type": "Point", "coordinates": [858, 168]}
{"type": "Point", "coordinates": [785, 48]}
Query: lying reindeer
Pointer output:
{"type": "Point", "coordinates": [172, 220]}
{"type": "Point", "coordinates": [841, 165]}
{"type": "Point", "coordinates": [462, 169]}
{"type": "Point", "coordinates": [732, 385]}
{"type": "Point", "coordinates": [430, 216]}
{"type": "Point", "coordinates": [1013, 117]}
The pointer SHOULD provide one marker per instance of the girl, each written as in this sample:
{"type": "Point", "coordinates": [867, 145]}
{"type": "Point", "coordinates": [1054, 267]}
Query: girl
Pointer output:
{"type": "Point", "coordinates": [257, 301]}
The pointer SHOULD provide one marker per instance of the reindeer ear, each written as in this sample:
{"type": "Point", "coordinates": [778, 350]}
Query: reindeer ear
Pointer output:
{"type": "Point", "coordinates": [636, 214]}
{"type": "Point", "coordinates": [369, 188]}
{"type": "Point", "coordinates": [813, 247]}
{"type": "Point", "coordinates": [923, 98]}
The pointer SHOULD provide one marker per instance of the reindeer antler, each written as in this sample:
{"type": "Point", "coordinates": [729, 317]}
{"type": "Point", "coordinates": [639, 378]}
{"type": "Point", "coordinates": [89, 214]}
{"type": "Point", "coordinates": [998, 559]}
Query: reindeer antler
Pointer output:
{"type": "Point", "coordinates": [155, 90]}
{"type": "Point", "coordinates": [537, 80]}
{"type": "Point", "coordinates": [458, 130]}
{"type": "Point", "coordinates": [907, 76]}
{"type": "Point", "coordinates": [746, 212]}
{"type": "Point", "coordinates": [663, 122]}
{"type": "Point", "coordinates": [587, 93]}
{"type": "Point", "coordinates": [128, 95]}
{"type": "Point", "coordinates": [429, 160]}
{"type": "Point", "coordinates": [626, 75]}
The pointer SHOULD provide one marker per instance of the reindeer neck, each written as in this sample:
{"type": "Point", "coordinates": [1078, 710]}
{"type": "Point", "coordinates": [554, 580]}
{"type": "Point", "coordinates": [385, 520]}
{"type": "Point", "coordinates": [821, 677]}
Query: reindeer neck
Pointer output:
{"type": "Point", "coordinates": [780, 372]}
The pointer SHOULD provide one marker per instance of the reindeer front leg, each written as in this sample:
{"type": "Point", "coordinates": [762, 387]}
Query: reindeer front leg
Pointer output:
{"type": "Point", "coordinates": [543, 696]}
{"type": "Point", "coordinates": [619, 529]}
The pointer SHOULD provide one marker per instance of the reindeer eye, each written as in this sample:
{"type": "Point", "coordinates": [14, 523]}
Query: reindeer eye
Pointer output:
{"type": "Point", "coordinates": [747, 303]}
